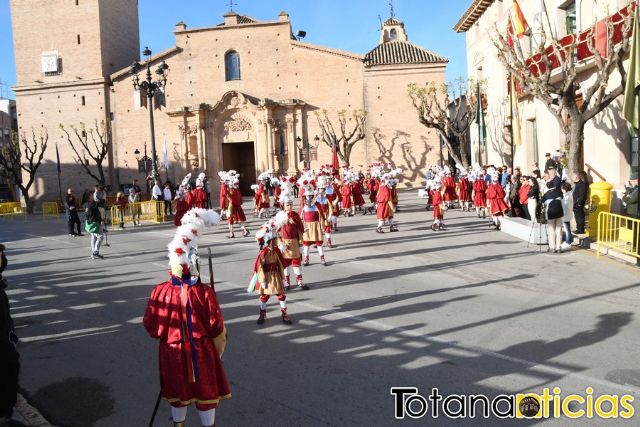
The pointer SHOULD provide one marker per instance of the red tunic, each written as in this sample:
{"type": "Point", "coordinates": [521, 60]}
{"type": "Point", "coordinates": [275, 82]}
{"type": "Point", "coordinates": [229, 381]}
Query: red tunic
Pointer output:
{"type": "Point", "coordinates": [346, 201]}
{"type": "Point", "coordinates": [292, 229]}
{"type": "Point", "coordinates": [223, 196]}
{"type": "Point", "coordinates": [234, 201]}
{"type": "Point", "coordinates": [463, 190]}
{"type": "Point", "coordinates": [495, 195]}
{"type": "Point", "coordinates": [356, 191]}
{"type": "Point", "coordinates": [436, 199]}
{"type": "Point", "coordinates": [523, 194]}
{"type": "Point", "coordinates": [301, 194]}
{"type": "Point", "coordinates": [382, 198]}
{"type": "Point", "coordinates": [373, 190]}
{"type": "Point", "coordinates": [181, 208]}
{"type": "Point", "coordinates": [263, 197]}
{"type": "Point", "coordinates": [197, 198]}
{"type": "Point", "coordinates": [449, 188]}
{"type": "Point", "coordinates": [276, 197]}
{"type": "Point", "coordinates": [479, 197]}
{"type": "Point", "coordinates": [186, 329]}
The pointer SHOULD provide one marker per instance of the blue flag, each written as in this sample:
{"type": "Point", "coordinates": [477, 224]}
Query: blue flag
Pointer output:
{"type": "Point", "coordinates": [58, 159]}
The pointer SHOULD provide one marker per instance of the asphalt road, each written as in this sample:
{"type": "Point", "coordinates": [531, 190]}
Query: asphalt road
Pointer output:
{"type": "Point", "coordinates": [467, 310]}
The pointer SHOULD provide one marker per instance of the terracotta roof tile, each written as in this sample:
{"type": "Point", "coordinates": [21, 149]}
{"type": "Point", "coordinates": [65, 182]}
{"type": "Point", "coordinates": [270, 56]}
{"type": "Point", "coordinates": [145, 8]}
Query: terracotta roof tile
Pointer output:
{"type": "Point", "coordinates": [401, 52]}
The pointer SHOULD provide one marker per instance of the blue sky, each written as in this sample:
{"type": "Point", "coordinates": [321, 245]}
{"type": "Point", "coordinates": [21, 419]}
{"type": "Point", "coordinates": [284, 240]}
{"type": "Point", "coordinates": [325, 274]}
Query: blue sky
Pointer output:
{"type": "Point", "coordinates": [350, 25]}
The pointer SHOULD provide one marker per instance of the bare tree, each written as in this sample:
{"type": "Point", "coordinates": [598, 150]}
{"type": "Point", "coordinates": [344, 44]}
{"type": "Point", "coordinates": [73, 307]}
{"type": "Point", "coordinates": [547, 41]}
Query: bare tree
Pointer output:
{"type": "Point", "coordinates": [13, 166]}
{"type": "Point", "coordinates": [94, 142]}
{"type": "Point", "coordinates": [345, 139]}
{"type": "Point", "coordinates": [443, 107]}
{"type": "Point", "coordinates": [551, 75]}
{"type": "Point", "coordinates": [498, 132]}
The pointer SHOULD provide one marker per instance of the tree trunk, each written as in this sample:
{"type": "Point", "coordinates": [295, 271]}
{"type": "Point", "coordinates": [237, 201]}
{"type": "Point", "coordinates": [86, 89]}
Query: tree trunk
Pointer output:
{"type": "Point", "coordinates": [27, 199]}
{"type": "Point", "coordinates": [463, 152]}
{"type": "Point", "coordinates": [575, 141]}
{"type": "Point", "coordinates": [101, 173]}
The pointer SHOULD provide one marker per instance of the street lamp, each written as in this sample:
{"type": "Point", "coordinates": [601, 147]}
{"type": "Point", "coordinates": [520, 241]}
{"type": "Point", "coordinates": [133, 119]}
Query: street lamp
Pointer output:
{"type": "Point", "coordinates": [150, 88]}
{"type": "Point", "coordinates": [304, 145]}
{"type": "Point", "coordinates": [143, 164]}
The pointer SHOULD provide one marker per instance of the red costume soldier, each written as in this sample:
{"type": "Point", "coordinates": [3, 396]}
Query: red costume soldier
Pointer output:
{"type": "Point", "coordinates": [346, 199]}
{"type": "Point", "coordinates": [356, 191]}
{"type": "Point", "coordinates": [449, 188]}
{"type": "Point", "coordinates": [437, 199]}
{"type": "Point", "coordinates": [263, 196]}
{"type": "Point", "coordinates": [290, 241]}
{"type": "Point", "coordinates": [464, 193]}
{"type": "Point", "coordinates": [313, 219]}
{"type": "Point", "coordinates": [197, 198]}
{"type": "Point", "coordinates": [235, 213]}
{"type": "Point", "coordinates": [268, 269]}
{"type": "Point", "coordinates": [326, 208]}
{"type": "Point", "coordinates": [386, 206]}
{"type": "Point", "coordinates": [184, 314]}
{"type": "Point", "coordinates": [479, 196]}
{"type": "Point", "coordinates": [497, 205]}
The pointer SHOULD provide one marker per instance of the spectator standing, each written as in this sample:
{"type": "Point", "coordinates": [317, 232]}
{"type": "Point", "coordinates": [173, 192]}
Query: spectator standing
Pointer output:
{"type": "Point", "coordinates": [134, 204]}
{"type": "Point", "coordinates": [514, 196]}
{"type": "Point", "coordinates": [157, 196]}
{"type": "Point", "coordinates": [10, 366]}
{"type": "Point", "coordinates": [553, 177]}
{"type": "Point", "coordinates": [94, 226]}
{"type": "Point", "coordinates": [567, 209]}
{"type": "Point", "coordinates": [121, 203]}
{"type": "Point", "coordinates": [532, 198]}
{"type": "Point", "coordinates": [549, 163]}
{"type": "Point", "coordinates": [505, 178]}
{"type": "Point", "coordinates": [523, 197]}
{"type": "Point", "coordinates": [552, 201]}
{"type": "Point", "coordinates": [579, 200]}
{"type": "Point", "coordinates": [71, 207]}
{"type": "Point", "coordinates": [100, 198]}
{"type": "Point", "coordinates": [166, 194]}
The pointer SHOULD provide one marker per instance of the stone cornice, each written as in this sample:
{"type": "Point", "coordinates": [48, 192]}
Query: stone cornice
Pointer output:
{"type": "Point", "coordinates": [471, 15]}
{"type": "Point", "coordinates": [56, 85]}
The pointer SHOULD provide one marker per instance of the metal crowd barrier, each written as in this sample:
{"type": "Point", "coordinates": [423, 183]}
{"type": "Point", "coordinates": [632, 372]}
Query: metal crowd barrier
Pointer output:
{"type": "Point", "coordinates": [619, 233]}
{"type": "Point", "coordinates": [9, 210]}
{"type": "Point", "coordinates": [50, 209]}
{"type": "Point", "coordinates": [146, 211]}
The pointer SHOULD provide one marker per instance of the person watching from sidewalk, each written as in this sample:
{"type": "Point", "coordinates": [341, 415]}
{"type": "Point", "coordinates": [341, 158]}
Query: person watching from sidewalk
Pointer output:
{"type": "Point", "coordinates": [549, 163]}
{"type": "Point", "coordinates": [121, 203]}
{"type": "Point", "coordinates": [567, 208]}
{"type": "Point", "coordinates": [552, 201]}
{"type": "Point", "coordinates": [134, 204]}
{"type": "Point", "coordinates": [10, 366]}
{"type": "Point", "coordinates": [93, 226]}
{"type": "Point", "coordinates": [166, 194]}
{"type": "Point", "coordinates": [71, 207]}
{"type": "Point", "coordinates": [579, 199]}
{"type": "Point", "coordinates": [553, 176]}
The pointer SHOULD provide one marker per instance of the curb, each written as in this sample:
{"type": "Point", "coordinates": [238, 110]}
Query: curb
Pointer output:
{"type": "Point", "coordinates": [29, 415]}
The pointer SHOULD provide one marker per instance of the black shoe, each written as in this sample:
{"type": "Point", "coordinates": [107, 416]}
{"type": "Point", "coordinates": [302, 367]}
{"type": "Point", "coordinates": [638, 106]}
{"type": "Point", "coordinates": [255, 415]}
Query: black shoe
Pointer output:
{"type": "Point", "coordinates": [99, 256]}
{"type": "Point", "coordinates": [304, 287]}
{"type": "Point", "coordinates": [80, 235]}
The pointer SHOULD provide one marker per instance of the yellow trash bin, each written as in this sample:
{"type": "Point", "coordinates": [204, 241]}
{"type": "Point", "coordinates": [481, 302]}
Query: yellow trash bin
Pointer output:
{"type": "Point", "coordinates": [600, 201]}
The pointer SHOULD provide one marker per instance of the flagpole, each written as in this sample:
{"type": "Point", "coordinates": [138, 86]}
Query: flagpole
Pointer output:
{"type": "Point", "coordinates": [59, 185]}
{"type": "Point", "coordinates": [479, 102]}
{"type": "Point", "coordinates": [511, 98]}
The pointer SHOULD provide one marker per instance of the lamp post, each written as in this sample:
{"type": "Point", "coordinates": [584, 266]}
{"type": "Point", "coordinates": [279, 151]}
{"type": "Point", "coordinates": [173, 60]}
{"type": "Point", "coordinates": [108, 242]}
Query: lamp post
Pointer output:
{"type": "Point", "coordinates": [303, 145]}
{"type": "Point", "coordinates": [150, 88]}
{"type": "Point", "coordinates": [143, 164]}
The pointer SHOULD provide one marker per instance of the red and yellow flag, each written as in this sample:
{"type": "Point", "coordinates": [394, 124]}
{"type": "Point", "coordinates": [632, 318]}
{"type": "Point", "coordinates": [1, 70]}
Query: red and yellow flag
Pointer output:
{"type": "Point", "coordinates": [519, 22]}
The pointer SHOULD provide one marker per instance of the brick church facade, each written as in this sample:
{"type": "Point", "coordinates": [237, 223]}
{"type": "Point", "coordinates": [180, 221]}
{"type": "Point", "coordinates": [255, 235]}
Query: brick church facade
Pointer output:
{"type": "Point", "coordinates": [241, 95]}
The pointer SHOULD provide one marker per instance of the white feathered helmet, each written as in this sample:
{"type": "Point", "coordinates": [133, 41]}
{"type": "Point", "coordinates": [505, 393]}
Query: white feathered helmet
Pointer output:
{"type": "Point", "coordinates": [200, 180]}
{"type": "Point", "coordinates": [269, 230]}
{"type": "Point", "coordinates": [183, 249]}
{"type": "Point", "coordinates": [182, 189]}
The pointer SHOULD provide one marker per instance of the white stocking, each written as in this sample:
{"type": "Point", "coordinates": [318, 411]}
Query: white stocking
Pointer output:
{"type": "Point", "coordinates": [320, 250]}
{"type": "Point", "coordinates": [327, 236]}
{"type": "Point", "coordinates": [380, 223]}
{"type": "Point", "coordinates": [305, 250]}
{"type": "Point", "coordinates": [283, 304]}
{"type": "Point", "coordinates": [286, 271]}
{"type": "Point", "coordinates": [207, 418]}
{"type": "Point", "coordinates": [296, 271]}
{"type": "Point", "coordinates": [179, 414]}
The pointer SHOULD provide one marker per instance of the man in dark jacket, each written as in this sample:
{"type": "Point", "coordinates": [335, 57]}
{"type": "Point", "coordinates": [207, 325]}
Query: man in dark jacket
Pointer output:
{"type": "Point", "coordinates": [579, 200]}
{"type": "Point", "coordinates": [10, 365]}
{"type": "Point", "coordinates": [71, 207]}
{"type": "Point", "coordinates": [549, 163]}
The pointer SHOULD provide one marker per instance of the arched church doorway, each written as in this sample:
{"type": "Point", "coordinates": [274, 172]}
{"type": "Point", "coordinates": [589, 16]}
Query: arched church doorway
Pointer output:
{"type": "Point", "coordinates": [240, 156]}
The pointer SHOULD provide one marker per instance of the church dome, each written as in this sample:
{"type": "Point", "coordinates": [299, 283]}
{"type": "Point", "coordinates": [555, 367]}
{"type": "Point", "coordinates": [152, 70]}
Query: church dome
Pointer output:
{"type": "Point", "coordinates": [393, 21]}
{"type": "Point", "coordinates": [400, 52]}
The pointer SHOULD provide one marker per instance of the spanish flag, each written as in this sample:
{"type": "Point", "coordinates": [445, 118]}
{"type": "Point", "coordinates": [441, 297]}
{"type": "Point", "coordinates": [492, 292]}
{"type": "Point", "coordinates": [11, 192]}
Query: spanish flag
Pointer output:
{"type": "Point", "coordinates": [519, 23]}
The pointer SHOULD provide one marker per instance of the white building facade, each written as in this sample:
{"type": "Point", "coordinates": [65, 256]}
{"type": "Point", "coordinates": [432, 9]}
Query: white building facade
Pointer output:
{"type": "Point", "coordinates": [609, 150]}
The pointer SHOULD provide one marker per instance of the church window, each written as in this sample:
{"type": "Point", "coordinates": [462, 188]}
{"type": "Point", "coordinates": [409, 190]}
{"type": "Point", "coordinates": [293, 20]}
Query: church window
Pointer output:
{"type": "Point", "coordinates": [393, 34]}
{"type": "Point", "coordinates": [232, 65]}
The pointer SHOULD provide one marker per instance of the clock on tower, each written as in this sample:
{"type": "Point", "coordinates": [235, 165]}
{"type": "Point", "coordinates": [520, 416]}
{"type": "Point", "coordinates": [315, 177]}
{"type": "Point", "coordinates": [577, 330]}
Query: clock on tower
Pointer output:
{"type": "Point", "coordinates": [49, 63]}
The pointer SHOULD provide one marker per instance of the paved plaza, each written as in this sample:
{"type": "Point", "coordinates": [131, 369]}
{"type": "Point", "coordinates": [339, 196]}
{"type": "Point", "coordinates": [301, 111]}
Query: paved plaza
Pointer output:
{"type": "Point", "coordinates": [468, 310]}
